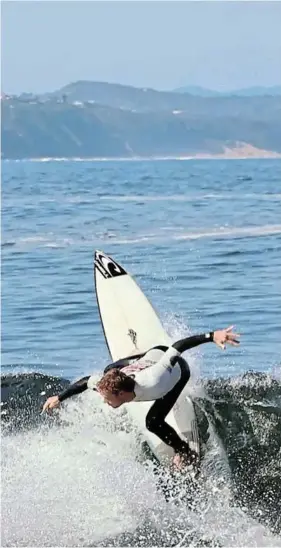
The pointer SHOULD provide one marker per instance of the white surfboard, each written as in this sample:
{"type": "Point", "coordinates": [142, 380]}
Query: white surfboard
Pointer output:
{"type": "Point", "coordinates": [131, 327]}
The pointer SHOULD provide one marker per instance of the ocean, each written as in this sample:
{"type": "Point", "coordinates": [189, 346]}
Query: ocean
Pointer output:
{"type": "Point", "coordinates": [202, 238]}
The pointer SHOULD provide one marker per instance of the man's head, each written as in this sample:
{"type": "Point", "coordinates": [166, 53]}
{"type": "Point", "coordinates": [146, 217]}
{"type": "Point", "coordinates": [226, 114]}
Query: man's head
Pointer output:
{"type": "Point", "coordinates": [116, 388]}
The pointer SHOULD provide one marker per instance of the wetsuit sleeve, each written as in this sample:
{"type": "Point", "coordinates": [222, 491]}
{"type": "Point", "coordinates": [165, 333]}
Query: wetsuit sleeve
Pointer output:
{"type": "Point", "coordinates": [75, 388]}
{"type": "Point", "coordinates": [191, 342]}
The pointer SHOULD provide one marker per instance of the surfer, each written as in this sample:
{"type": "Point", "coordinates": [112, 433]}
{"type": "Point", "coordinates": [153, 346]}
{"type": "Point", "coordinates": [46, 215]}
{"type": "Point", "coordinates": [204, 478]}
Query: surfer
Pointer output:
{"type": "Point", "coordinates": [159, 375]}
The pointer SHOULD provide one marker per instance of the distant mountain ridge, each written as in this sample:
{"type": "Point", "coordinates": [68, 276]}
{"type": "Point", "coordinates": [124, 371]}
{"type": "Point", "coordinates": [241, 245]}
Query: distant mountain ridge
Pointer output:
{"type": "Point", "coordinates": [96, 119]}
{"type": "Point", "coordinates": [140, 99]}
{"type": "Point", "coordinates": [254, 91]}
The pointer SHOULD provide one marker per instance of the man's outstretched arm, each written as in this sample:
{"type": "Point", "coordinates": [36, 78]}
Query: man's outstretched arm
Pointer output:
{"type": "Point", "coordinates": [75, 388]}
{"type": "Point", "coordinates": [221, 337]}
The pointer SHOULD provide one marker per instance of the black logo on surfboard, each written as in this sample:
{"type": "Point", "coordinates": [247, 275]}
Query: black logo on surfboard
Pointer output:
{"type": "Point", "coordinates": [107, 266]}
{"type": "Point", "coordinates": [133, 336]}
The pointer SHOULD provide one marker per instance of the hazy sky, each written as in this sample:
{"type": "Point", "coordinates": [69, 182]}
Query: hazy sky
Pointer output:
{"type": "Point", "coordinates": [221, 45]}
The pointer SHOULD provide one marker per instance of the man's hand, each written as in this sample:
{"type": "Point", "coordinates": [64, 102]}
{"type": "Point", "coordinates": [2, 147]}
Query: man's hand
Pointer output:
{"type": "Point", "coordinates": [181, 460]}
{"type": "Point", "coordinates": [51, 403]}
{"type": "Point", "coordinates": [222, 337]}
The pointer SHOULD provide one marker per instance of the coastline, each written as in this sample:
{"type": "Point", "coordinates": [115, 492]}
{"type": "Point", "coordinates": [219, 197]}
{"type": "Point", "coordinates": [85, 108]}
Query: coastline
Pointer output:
{"type": "Point", "coordinates": [241, 152]}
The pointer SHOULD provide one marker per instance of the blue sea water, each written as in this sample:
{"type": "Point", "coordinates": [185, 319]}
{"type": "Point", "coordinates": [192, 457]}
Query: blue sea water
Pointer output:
{"type": "Point", "coordinates": [203, 240]}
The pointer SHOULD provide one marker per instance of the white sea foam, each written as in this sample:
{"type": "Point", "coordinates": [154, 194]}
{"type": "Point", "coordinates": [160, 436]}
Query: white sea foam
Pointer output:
{"type": "Point", "coordinates": [53, 241]}
{"type": "Point", "coordinates": [190, 197]}
{"type": "Point", "coordinates": [234, 232]}
{"type": "Point", "coordinates": [76, 484]}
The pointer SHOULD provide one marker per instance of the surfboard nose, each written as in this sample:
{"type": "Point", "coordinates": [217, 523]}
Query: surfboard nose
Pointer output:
{"type": "Point", "coordinates": [107, 266]}
{"type": "Point", "coordinates": [99, 252]}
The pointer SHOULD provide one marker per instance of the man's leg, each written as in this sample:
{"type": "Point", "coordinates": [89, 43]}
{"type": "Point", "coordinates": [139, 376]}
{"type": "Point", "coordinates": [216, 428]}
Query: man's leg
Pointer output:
{"type": "Point", "coordinates": [155, 422]}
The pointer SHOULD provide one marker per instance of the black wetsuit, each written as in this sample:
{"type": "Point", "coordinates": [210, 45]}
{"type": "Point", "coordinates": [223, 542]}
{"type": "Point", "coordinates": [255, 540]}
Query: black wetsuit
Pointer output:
{"type": "Point", "coordinates": [155, 419]}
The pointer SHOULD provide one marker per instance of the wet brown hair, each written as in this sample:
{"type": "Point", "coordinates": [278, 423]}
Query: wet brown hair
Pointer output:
{"type": "Point", "coordinates": [115, 381]}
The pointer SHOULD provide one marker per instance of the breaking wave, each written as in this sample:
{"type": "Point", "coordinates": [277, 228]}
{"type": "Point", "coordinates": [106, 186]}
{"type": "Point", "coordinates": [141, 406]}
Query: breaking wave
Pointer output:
{"type": "Point", "coordinates": [80, 477]}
